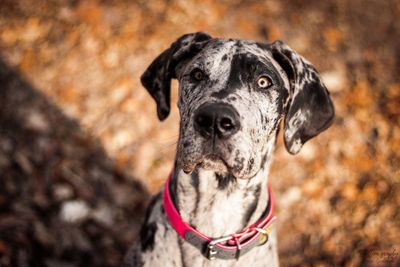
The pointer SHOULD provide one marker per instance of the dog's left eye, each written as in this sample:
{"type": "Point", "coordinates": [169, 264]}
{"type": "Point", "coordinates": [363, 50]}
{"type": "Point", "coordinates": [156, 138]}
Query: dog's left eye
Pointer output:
{"type": "Point", "coordinates": [197, 75]}
{"type": "Point", "coordinates": [264, 82]}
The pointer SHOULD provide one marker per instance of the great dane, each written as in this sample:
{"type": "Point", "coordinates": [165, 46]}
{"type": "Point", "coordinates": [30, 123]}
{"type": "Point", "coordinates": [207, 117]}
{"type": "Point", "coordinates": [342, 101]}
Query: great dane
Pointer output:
{"type": "Point", "coordinates": [216, 207]}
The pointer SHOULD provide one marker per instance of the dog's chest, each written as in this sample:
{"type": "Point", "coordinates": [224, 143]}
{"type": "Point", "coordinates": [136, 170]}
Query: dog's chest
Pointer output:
{"type": "Point", "coordinates": [214, 208]}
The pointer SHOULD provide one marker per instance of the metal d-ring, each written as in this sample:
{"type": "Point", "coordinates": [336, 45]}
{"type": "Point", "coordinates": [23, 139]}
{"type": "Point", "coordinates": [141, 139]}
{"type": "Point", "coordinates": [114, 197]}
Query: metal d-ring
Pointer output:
{"type": "Point", "coordinates": [265, 236]}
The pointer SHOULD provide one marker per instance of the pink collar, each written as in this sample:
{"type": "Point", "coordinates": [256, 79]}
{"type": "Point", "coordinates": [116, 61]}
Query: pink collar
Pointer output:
{"type": "Point", "coordinates": [227, 247]}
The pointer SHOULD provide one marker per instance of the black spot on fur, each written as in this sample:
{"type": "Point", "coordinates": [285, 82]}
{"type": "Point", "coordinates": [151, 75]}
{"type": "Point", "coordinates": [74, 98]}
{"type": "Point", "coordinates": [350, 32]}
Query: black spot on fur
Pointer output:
{"type": "Point", "coordinates": [253, 206]}
{"type": "Point", "coordinates": [224, 181]}
{"type": "Point", "coordinates": [162, 210]}
{"type": "Point", "coordinates": [172, 188]}
{"type": "Point", "coordinates": [211, 204]}
{"type": "Point", "coordinates": [239, 162]}
{"type": "Point", "coordinates": [266, 120]}
{"type": "Point", "coordinates": [278, 129]}
{"type": "Point", "coordinates": [262, 116]}
{"type": "Point", "coordinates": [251, 164]}
{"type": "Point", "coordinates": [264, 159]}
{"type": "Point", "coordinates": [225, 57]}
{"type": "Point", "coordinates": [148, 230]}
{"type": "Point", "coordinates": [195, 183]}
{"type": "Point", "coordinates": [240, 69]}
{"type": "Point", "coordinates": [249, 212]}
{"type": "Point", "coordinates": [195, 179]}
{"type": "Point", "coordinates": [147, 236]}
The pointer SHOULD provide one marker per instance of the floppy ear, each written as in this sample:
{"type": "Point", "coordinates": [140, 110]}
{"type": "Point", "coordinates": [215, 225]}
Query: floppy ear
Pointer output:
{"type": "Point", "coordinates": [157, 77]}
{"type": "Point", "coordinates": [310, 110]}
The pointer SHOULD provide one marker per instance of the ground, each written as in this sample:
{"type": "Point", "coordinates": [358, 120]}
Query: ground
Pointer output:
{"type": "Point", "coordinates": [81, 149]}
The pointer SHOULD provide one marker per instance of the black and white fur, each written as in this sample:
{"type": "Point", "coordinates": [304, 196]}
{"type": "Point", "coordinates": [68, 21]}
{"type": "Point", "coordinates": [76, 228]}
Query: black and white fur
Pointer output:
{"type": "Point", "coordinates": [219, 185]}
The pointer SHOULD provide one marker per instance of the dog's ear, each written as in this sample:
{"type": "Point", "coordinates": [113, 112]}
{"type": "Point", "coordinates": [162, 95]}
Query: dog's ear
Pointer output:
{"type": "Point", "coordinates": [157, 77]}
{"type": "Point", "coordinates": [310, 110]}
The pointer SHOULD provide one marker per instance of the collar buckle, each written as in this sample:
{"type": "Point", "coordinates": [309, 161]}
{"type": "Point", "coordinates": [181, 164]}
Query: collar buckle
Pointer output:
{"type": "Point", "coordinates": [211, 250]}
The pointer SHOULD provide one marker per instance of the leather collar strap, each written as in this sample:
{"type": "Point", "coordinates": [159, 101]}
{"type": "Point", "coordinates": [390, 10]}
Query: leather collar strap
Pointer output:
{"type": "Point", "coordinates": [227, 247]}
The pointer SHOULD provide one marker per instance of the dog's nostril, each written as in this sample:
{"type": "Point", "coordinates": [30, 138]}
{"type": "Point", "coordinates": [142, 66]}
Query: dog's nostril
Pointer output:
{"type": "Point", "coordinates": [204, 121]}
{"type": "Point", "coordinates": [226, 124]}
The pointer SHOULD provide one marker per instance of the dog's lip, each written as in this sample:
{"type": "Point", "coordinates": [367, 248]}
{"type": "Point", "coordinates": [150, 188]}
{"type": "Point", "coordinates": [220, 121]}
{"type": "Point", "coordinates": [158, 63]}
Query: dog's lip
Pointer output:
{"type": "Point", "coordinates": [231, 170]}
{"type": "Point", "coordinates": [189, 167]}
{"type": "Point", "coordinates": [215, 157]}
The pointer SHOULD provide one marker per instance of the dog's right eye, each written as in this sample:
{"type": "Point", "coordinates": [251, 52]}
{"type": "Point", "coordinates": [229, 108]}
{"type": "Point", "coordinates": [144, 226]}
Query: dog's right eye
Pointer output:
{"type": "Point", "coordinates": [197, 75]}
{"type": "Point", "coordinates": [264, 82]}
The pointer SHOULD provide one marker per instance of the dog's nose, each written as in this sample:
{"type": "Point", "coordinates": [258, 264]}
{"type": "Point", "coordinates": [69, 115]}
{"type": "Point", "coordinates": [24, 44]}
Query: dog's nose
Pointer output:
{"type": "Point", "coordinates": [217, 119]}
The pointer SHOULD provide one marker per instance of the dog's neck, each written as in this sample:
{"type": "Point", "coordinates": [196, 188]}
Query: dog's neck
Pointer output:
{"type": "Point", "coordinates": [218, 206]}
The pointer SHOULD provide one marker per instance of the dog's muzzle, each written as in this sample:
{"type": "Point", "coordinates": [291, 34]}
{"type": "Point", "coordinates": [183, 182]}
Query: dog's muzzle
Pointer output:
{"type": "Point", "coordinates": [216, 120]}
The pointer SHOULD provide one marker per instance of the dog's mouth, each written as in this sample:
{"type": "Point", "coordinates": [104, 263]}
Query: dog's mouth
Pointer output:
{"type": "Point", "coordinates": [217, 163]}
{"type": "Point", "coordinates": [210, 161]}
{"type": "Point", "coordinates": [224, 157]}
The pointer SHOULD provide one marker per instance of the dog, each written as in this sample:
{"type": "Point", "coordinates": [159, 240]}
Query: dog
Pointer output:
{"type": "Point", "coordinates": [216, 208]}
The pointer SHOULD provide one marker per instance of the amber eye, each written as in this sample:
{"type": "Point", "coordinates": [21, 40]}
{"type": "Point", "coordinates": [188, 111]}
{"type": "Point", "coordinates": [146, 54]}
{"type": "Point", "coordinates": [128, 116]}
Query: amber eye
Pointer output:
{"type": "Point", "coordinates": [264, 82]}
{"type": "Point", "coordinates": [197, 74]}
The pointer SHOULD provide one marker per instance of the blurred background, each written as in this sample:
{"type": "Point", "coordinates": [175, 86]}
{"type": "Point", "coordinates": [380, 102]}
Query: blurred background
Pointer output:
{"type": "Point", "coordinates": [81, 149]}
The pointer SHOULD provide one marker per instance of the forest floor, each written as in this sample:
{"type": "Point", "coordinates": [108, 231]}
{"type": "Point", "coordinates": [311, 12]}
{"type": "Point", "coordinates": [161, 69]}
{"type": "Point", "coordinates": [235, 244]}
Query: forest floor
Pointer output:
{"type": "Point", "coordinates": [81, 149]}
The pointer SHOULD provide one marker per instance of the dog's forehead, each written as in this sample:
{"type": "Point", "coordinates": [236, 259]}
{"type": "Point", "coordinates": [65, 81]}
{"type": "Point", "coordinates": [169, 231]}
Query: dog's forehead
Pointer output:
{"type": "Point", "coordinates": [219, 55]}
{"type": "Point", "coordinates": [225, 48]}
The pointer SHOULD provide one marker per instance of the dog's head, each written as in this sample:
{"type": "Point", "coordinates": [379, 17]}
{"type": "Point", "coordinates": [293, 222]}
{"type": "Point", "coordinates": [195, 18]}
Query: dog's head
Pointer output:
{"type": "Point", "coordinates": [232, 96]}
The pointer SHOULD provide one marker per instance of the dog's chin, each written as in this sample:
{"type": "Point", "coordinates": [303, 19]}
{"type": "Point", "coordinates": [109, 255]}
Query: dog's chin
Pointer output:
{"type": "Point", "coordinates": [209, 162]}
{"type": "Point", "coordinates": [218, 165]}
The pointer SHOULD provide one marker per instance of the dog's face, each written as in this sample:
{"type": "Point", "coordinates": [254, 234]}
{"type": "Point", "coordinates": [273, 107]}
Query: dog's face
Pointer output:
{"type": "Point", "coordinates": [245, 80]}
{"type": "Point", "coordinates": [232, 96]}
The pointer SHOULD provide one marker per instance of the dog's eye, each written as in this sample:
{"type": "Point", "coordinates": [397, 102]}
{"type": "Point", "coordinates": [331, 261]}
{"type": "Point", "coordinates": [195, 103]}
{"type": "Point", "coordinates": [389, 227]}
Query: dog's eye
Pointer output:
{"type": "Point", "coordinates": [264, 82]}
{"type": "Point", "coordinates": [197, 75]}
